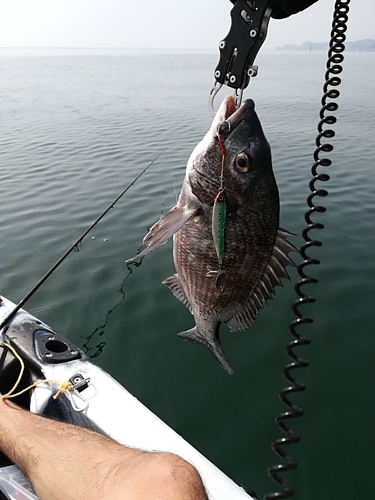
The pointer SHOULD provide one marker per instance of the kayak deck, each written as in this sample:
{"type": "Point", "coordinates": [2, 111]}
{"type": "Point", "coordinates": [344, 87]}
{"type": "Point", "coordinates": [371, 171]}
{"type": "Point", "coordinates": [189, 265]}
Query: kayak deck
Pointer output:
{"type": "Point", "coordinates": [102, 405]}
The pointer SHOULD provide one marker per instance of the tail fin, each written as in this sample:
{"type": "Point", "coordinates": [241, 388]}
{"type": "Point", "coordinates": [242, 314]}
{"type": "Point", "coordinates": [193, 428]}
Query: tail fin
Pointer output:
{"type": "Point", "coordinates": [214, 346]}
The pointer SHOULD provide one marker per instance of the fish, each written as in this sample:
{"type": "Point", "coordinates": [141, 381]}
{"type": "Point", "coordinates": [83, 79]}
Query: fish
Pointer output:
{"type": "Point", "coordinates": [228, 249]}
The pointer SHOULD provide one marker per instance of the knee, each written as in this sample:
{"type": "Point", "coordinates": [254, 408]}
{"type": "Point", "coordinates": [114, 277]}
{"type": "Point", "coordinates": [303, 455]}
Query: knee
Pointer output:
{"type": "Point", "coordinates": [177, 476]}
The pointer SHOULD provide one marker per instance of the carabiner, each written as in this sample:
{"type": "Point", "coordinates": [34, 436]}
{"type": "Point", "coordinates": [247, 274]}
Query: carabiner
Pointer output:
{"type": "Point", "coordinates": [72, 395]}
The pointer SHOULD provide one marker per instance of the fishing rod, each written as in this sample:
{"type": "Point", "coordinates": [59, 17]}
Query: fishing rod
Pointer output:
{"type": "Point", "coordinates": [75, 247]}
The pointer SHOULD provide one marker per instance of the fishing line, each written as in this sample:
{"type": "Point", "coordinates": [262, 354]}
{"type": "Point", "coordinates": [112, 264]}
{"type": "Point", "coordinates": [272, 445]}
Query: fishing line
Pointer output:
{"type": "Point", "coordinates": [76, 245]}
{"type": "Point", "coordinates": [100, 346]}
{"type": "Point", "coordinates": [334, 68]}
{"type": "Point", "coordinates": [174, 186]}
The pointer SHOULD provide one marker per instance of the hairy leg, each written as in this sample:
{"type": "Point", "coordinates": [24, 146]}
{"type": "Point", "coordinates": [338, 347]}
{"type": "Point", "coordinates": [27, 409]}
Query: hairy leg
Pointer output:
{"type": "Point", "coordinates": [66, 462]}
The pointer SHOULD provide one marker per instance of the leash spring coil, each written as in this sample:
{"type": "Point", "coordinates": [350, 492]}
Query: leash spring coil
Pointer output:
{"type": "Point", "coordinates": [334, 68]}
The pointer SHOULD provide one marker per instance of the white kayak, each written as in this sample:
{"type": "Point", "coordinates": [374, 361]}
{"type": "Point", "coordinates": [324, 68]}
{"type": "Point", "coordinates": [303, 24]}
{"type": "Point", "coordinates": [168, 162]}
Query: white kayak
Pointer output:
{"type": "Point", "coordinates": [98, 402]}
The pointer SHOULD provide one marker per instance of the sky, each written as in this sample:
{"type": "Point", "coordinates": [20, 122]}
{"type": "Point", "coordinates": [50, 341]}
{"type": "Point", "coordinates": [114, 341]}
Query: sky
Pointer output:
{"type": "Point", "coordinates": [171, 24]}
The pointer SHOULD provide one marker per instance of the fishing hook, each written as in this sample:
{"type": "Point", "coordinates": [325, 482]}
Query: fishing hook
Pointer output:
{"type": "Point", "coordinates": [220, 277]}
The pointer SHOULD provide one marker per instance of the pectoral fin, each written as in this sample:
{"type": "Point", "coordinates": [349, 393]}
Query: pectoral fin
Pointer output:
{"type": "Point", "coordinates": [164, 228]}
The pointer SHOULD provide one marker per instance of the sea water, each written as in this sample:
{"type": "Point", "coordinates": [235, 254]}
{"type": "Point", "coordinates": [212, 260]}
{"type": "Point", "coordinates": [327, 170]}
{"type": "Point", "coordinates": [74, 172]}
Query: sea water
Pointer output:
{"type": "Point", "coordinates": [76, 127]}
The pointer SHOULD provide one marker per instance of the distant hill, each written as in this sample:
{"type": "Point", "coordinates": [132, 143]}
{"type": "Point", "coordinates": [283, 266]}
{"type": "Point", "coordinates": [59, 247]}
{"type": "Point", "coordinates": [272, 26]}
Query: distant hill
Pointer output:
{"type": "Point", "coordinates": [367, 45]}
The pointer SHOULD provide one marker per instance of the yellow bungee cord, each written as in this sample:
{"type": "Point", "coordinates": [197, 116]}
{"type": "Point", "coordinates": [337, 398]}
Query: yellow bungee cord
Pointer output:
{"type": "Point", "coordinates": [63, 386]}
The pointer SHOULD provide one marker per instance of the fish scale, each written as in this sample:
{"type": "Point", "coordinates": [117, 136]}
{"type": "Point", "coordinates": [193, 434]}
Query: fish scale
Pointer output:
{"type": "Point", "coordinates": [202, 288]}
{"type": "Point", "coordinates": [227, 264]}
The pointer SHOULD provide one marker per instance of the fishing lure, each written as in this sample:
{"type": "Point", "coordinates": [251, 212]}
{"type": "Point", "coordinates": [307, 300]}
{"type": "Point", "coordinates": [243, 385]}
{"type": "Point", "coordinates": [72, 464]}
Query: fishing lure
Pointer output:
{"type": "Point", "coordinates": [218, 223]}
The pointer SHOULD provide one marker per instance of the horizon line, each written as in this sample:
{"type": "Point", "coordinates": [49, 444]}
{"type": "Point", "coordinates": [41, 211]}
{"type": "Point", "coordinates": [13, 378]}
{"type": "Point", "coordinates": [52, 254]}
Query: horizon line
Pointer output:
{"type": "Point", "coordinates": [113, 48]}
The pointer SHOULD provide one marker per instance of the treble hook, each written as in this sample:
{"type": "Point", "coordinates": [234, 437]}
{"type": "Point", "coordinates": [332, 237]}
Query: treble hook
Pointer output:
{"type": "Point", "coordinates": [220, 278]}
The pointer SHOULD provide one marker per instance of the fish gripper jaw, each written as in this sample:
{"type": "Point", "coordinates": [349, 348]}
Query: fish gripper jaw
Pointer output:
{"type": "Point", "coordinates": [240, 47]}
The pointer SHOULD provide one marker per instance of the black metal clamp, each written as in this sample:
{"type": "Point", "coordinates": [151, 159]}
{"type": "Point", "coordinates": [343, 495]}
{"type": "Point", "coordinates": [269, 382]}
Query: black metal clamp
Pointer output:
{"type": "Point", "coordinates": [240, 47]}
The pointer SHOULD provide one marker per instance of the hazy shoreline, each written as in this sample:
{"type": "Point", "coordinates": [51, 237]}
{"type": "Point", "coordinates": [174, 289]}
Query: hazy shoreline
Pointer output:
{"type": "Point", "coordinates": [367, 45]}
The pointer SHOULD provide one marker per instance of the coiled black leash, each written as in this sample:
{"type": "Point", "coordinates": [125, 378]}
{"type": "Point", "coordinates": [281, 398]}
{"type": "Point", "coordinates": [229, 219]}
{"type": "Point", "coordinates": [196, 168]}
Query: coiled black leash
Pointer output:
{"type": "Point", "coordinates": [334, 68]}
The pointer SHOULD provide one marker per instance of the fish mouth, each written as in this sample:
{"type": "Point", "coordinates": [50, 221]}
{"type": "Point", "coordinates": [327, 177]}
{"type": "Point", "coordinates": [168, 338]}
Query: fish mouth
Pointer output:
{"type": "Point", "coordinates": [228, 117]}
{"type": "Point", "coordinates": [226, 120]}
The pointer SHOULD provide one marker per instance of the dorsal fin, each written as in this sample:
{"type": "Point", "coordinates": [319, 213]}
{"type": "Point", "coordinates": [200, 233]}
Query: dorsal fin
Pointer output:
{"type": "Point", "coordinates": [175, 287]}
{"type": "Point", "coordinates": [265, 289]}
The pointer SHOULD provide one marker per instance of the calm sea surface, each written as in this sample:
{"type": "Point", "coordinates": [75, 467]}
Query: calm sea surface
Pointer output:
{"type": "Point", "coordinates": [75, 129]}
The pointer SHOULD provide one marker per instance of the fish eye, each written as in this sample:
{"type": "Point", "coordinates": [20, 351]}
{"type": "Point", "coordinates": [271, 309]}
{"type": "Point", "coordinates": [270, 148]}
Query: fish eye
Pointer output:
{"type": "Point", "coordinates": [242, 163]}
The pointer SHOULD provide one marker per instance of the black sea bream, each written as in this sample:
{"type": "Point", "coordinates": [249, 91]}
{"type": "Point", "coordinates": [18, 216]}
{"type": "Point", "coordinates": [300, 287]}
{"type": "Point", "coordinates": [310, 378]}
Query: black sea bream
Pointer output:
{"type": "Point", "coordinates": [228, 249]}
